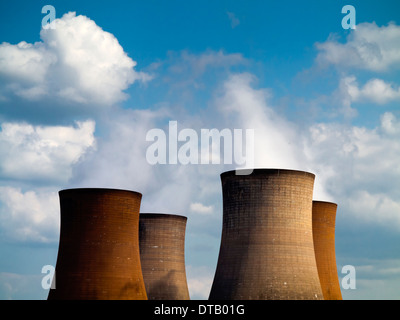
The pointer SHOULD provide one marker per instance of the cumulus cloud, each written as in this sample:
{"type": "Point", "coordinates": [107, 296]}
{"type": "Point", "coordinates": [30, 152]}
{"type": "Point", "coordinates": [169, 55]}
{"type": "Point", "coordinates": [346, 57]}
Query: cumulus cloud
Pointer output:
{"type": "Point", "coordinates": [200, 208]}
{"type": "Point", "coordinates": [369, 47]}
{"type": "Point", "coordinates": [25, 62]}
{"type": "Point", "coordinates": [350, 97]}
{"type": "Point", "coordinates": [76, 62]}
{"type": "Point", "coordinates": [375, 207]}
{"type": "Point", "coordinates": [31, 216]}
{"type": "Point", "coordinates": [389, 123]}
{"type": "Point", "coordinates": [359, 167]}
{"type": "Point", "coordinates": [43, 153]}
{"type": "Point", "coordinates": [375, 90]}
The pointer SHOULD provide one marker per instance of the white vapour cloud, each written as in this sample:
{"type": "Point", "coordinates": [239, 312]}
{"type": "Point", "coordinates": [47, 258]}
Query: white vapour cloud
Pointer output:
{"type": "Point", "coordinates": [76, 62]}
{"type": "Point", "coordinates": [276, 139]}
{"type": "Point", "coordinates": [120, 162]}
{"type": "Point", "coordinates": [369, 47]}
{"type": "Point", "coordinates": [120, 157]}
{"type": "Point", "coordinates": [44, 153]}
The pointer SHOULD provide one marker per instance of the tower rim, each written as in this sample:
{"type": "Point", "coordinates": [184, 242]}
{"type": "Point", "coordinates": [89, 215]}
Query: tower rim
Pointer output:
{"type": "Point", "coordinates": [161, 214]}
{"type": "Point", "coordinates": [260, 171]}
{"type": "Point", "coordinates": [98, 190]}
{"type": "Point", "coordinates": [325, 202]}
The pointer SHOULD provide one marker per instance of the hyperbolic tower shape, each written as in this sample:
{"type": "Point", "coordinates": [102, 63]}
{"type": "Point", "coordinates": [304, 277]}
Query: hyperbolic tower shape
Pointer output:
{"type": "Point", "coordinates": [98, 254]}
{"type": "Point", "coordinates": [162, 254]}
{"type": "Point", "coordinates": [266, 249]}
{"type": "Point", "coordinates": [324, 217]}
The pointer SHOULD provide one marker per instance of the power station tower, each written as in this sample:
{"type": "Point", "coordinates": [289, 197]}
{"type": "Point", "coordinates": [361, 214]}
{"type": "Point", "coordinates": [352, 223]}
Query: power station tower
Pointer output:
{"type": "Point", "coordinates": [267, 249]}
{"type": "Point", "coordinates": [98, 255]}
{"type": "Point", "coordinates": [162, 254]}
{"type": "Point", "coordinates": [323, 217]}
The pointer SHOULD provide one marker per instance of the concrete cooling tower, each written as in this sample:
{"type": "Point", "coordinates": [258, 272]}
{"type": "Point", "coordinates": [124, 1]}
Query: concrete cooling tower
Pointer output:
{"type": "Point", "coordinates": [323, 217]}
{"type": "Point", "coordinates": [267, 249]}
{"type": "Point", "coordinates": [98, 255]}
{"type": "Point", "coordinates": [162, 254]}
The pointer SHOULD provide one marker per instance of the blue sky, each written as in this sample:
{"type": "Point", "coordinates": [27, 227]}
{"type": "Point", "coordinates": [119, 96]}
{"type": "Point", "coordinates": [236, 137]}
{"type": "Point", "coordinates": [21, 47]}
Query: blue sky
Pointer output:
{"type": "Point", "coordinates": [76, 104]}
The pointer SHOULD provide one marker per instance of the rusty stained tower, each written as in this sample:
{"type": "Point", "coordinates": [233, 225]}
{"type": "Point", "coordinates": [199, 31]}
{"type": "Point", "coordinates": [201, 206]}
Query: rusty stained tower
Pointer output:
{"type": "Point", "coordinates": [324, 216]}
{"type": "Point", "coordinates": [162, 254]}
{"type": "Point", "coordinates": [267, 249]}
{"type": "Point", "coordinates": [98, 255]}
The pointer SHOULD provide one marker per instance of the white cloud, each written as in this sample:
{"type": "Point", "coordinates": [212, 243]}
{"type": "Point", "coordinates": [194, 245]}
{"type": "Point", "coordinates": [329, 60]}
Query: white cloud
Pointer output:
{"type": "Point", "coordinates": [187, 71]}
{"type": "Point", "coordinates": [369, 47]}
{"type": "Point", "coordinates": [44, 153]}
{"type": "Point", "coordinates": [76, 62]}
{"type": "Point", "coordinates": [195, 70]}
{"type": "Point", "coordinates": [375, 90]}
{"type": "Point", "coordinates": [25, 62]}
{"type": "Point", "coordinates": [374, 208]}
{"type": "Point", "coordinates": [375, 279]}
{"type": "Point", "coordinates": [120, 157]}
{"type": "Point", "coordinates": [197, 64]}
{"type": "Point", "coordinates": [234, 20]}
{"type": "Point", "coordinates": [359, 168]}
{"type": "Point", "coordinates": [14, 286]}
{"type": "Point", "coordinates": [31, 216]}
{"type": "Point", "coordinates": [120, 162]}
{"type": "Point", "coordinates": [198, 207]}
{"type": "Point", "coordinates": [199, 280]}
{"type": "Point", "coordinates": [389, 123]}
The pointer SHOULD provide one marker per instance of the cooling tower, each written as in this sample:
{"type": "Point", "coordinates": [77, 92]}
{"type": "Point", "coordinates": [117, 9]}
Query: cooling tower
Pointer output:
{"type": "Point", "coordinates": [98, 255]}
{"type": "Point", "coordinates": [162, 255]}
{"type": "Point", "coordinates": [323, 217]}
{"type": "Point", "coordinates": [267, 249]}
